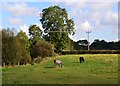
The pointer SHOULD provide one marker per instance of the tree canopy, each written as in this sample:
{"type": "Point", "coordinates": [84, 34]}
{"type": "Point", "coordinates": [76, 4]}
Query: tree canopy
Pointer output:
{"type": "Point", "coordinates": [14, 48]}
{"type": "Point", "coordinates": [57, 26]}
{"type": "Point", "coordinates": [35, 32]}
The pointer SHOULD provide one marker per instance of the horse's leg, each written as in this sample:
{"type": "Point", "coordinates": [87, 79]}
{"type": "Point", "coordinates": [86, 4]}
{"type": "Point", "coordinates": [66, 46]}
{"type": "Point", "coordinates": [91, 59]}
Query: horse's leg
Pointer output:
{"type": "Point", "coordinates": [61, 65]}
{"type": "Point", "coordinates": [55, 65]}
{"type": "Point", "coordinates": [58, 65]}
{"type": "Point", "coordinates": [83, 60]}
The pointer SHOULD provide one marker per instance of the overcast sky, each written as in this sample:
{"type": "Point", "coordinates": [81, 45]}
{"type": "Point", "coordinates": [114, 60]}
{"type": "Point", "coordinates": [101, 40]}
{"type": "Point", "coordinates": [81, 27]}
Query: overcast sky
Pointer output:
{"type": "Point", "coordinates": [99, 17]}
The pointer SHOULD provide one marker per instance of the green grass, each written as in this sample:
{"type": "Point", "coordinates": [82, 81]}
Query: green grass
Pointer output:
{"type": "Point", "coordinates": [97, 69]}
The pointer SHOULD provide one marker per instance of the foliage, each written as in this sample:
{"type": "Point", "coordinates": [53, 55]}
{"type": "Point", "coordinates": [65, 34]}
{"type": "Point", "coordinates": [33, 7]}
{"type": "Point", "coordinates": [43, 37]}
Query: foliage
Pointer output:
{"type": "Point", "coordinates": [35, 32]}
{"type": "Point", "coordinates": [83, 42]}
{"type": "Point", "coordinates": [14, 48]}
{"type": "Point", "coordinates": [9, 48]}
{"type": "Point", "coordinates": [24, 38]}
{"type": "Point", "coordinates": [99, 44]}
{"type": "Point", "coordinates": [22, 44]}
{"type": "Point", "coordinates": [70, 45]}
{"type": "Point", "coordinates": [35, 35]}
{"type": "Point", "coordinates": [103, 45]}
{"type": "Point", "coordinates": [96, 45]}
{"type": "Point", "coordinates": [80, 45]}
{"type": "Point", "coordinates": [55, 22]}
{"type": "Point", "coordinates": [42, 49]}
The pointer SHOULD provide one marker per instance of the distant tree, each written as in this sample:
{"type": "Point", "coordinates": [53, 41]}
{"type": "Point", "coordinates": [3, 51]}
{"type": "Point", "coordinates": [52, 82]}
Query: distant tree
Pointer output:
{"type": "Point", "coordinates": [99, 45]}
{"type": "Point", "coordinates": [117, 45]}
{"type": "Point", "coordinates": [80, 45]}
{"type": "Point", "coordinates": [95, 45]}
{"type": "Point", "coordinates": [9, 49]}
{"type": "Point", "coordinates": [24, 38]}
{"type": "Point", "coordinates": [111, 45]}
{"type": "Point", "coordinates": [54, 22]}
{"type": "Point", "coordinates": [70, 45]}
{"type": "Point", "coordinates": [114, 45]}
{"type": "Point", "coordinates": [35, 34]}
{"type": "Point", "coordinates": [103, 45]}
{"type": "Point", "coordinates": [83, 42]}
{"type": "Point", "coordinates": [23, 52]}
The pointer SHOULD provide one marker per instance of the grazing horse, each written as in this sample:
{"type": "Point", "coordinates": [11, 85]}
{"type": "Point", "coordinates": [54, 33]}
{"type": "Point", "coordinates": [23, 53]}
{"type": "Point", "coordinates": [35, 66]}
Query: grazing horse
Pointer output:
{"type": "Point", "coordinates": [81, 59]}
{"type": "Point", "coordinates": [58, 63]}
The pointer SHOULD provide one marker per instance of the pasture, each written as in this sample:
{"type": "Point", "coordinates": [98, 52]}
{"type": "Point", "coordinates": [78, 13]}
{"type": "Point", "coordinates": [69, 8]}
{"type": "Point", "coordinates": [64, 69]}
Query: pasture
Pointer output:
{"type": "Point", "coordinates": [97, 69]}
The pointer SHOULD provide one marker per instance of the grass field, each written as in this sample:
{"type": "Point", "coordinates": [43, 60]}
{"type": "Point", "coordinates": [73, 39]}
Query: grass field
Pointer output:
{"type": "Point", "coordinates": [97, 69]}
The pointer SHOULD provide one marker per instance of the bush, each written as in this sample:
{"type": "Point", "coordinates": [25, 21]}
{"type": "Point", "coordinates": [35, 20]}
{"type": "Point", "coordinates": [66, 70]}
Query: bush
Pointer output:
{"type": "Point", "coordinates": [42, 49]}
{"type": "Point", "coordinates": [22, 53]}
{"type": "Point", "coordinates": [13, 49]}
{"type": "Point", "coordinates": [8, 47]}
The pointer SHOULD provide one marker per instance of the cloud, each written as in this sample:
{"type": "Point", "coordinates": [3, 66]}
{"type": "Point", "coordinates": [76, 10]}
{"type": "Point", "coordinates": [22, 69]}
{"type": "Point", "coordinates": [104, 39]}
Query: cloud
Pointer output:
{"type": "Point", "coordinates": [100, 14]}
{"type": "Point", "coordinates": [101, 6]}
{"type": "Point", "coordinates": [75, 4]}
{"type": "Point", "coordinates": [115, 40]}
{"type": "Point", "coordinates": [24, 28]}
{"type": "Point", "coordinates": [20, 9]}
{"type": "Point", "coordinates": [83, 39]}
{"type": "Point", "coordinates": [83, 8]}
{"type": "Point", "coordinates": [73, 38]}
{"type": "Point", "coordinates": [116, 32]}
{"type": "Point", "coordinates": [86, 26]}
{"type": "Point", "coordinates": [75, 8]}
{"type": "Point", "coordinates": [110, 19]}
{"type": "Point", "coordinates": [15, 21]}
{"type": "Point", "coordinates": [94, 16]}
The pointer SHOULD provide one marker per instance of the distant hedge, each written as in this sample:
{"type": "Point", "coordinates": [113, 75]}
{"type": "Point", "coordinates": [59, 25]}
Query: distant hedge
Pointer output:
{"type": "Point", "coordinates": [91, 52]}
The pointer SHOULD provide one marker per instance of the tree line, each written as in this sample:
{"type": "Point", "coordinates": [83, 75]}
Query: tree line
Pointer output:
{"type": "Point", "coordinates": [18, 49]}
{"type": "Point", "coordinates": [96, 45]}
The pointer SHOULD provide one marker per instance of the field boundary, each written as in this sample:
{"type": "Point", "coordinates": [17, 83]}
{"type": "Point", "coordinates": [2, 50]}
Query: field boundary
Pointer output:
{"type": "Point", "coordinates": [64, 52]}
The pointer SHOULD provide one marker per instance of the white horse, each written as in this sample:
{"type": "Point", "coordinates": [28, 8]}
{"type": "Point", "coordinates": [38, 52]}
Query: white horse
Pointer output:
{"type": "Point", "coordinates": [58, 63]}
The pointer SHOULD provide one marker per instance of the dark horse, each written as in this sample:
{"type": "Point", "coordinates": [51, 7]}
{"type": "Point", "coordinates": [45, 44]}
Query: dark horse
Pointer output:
{"type": "Point", "coordinates": [81, 59]}
{"type": "Point", "coordinates": [58, 63]}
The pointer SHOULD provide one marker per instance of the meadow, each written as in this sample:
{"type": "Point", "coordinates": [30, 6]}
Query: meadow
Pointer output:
{"type": "Point", "coordinates": [97, 69]}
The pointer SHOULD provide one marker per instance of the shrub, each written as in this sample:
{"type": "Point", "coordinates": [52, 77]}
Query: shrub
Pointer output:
{"type": "Point", "coordinates": [22, 53]}
{"type": "Point", "coordinates": [42, 49]}
{"type": "Point", "coordinates": [13, 49]}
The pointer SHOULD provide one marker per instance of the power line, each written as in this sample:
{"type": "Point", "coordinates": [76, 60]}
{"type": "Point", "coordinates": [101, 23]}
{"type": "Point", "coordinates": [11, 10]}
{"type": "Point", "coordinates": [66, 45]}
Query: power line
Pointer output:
{"type": "Point", "coordinates": [56, 31]}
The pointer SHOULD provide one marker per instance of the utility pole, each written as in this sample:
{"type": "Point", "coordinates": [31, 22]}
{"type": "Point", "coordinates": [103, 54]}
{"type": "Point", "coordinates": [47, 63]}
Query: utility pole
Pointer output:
{"type": "Point", "coordinates": [88, 32]}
